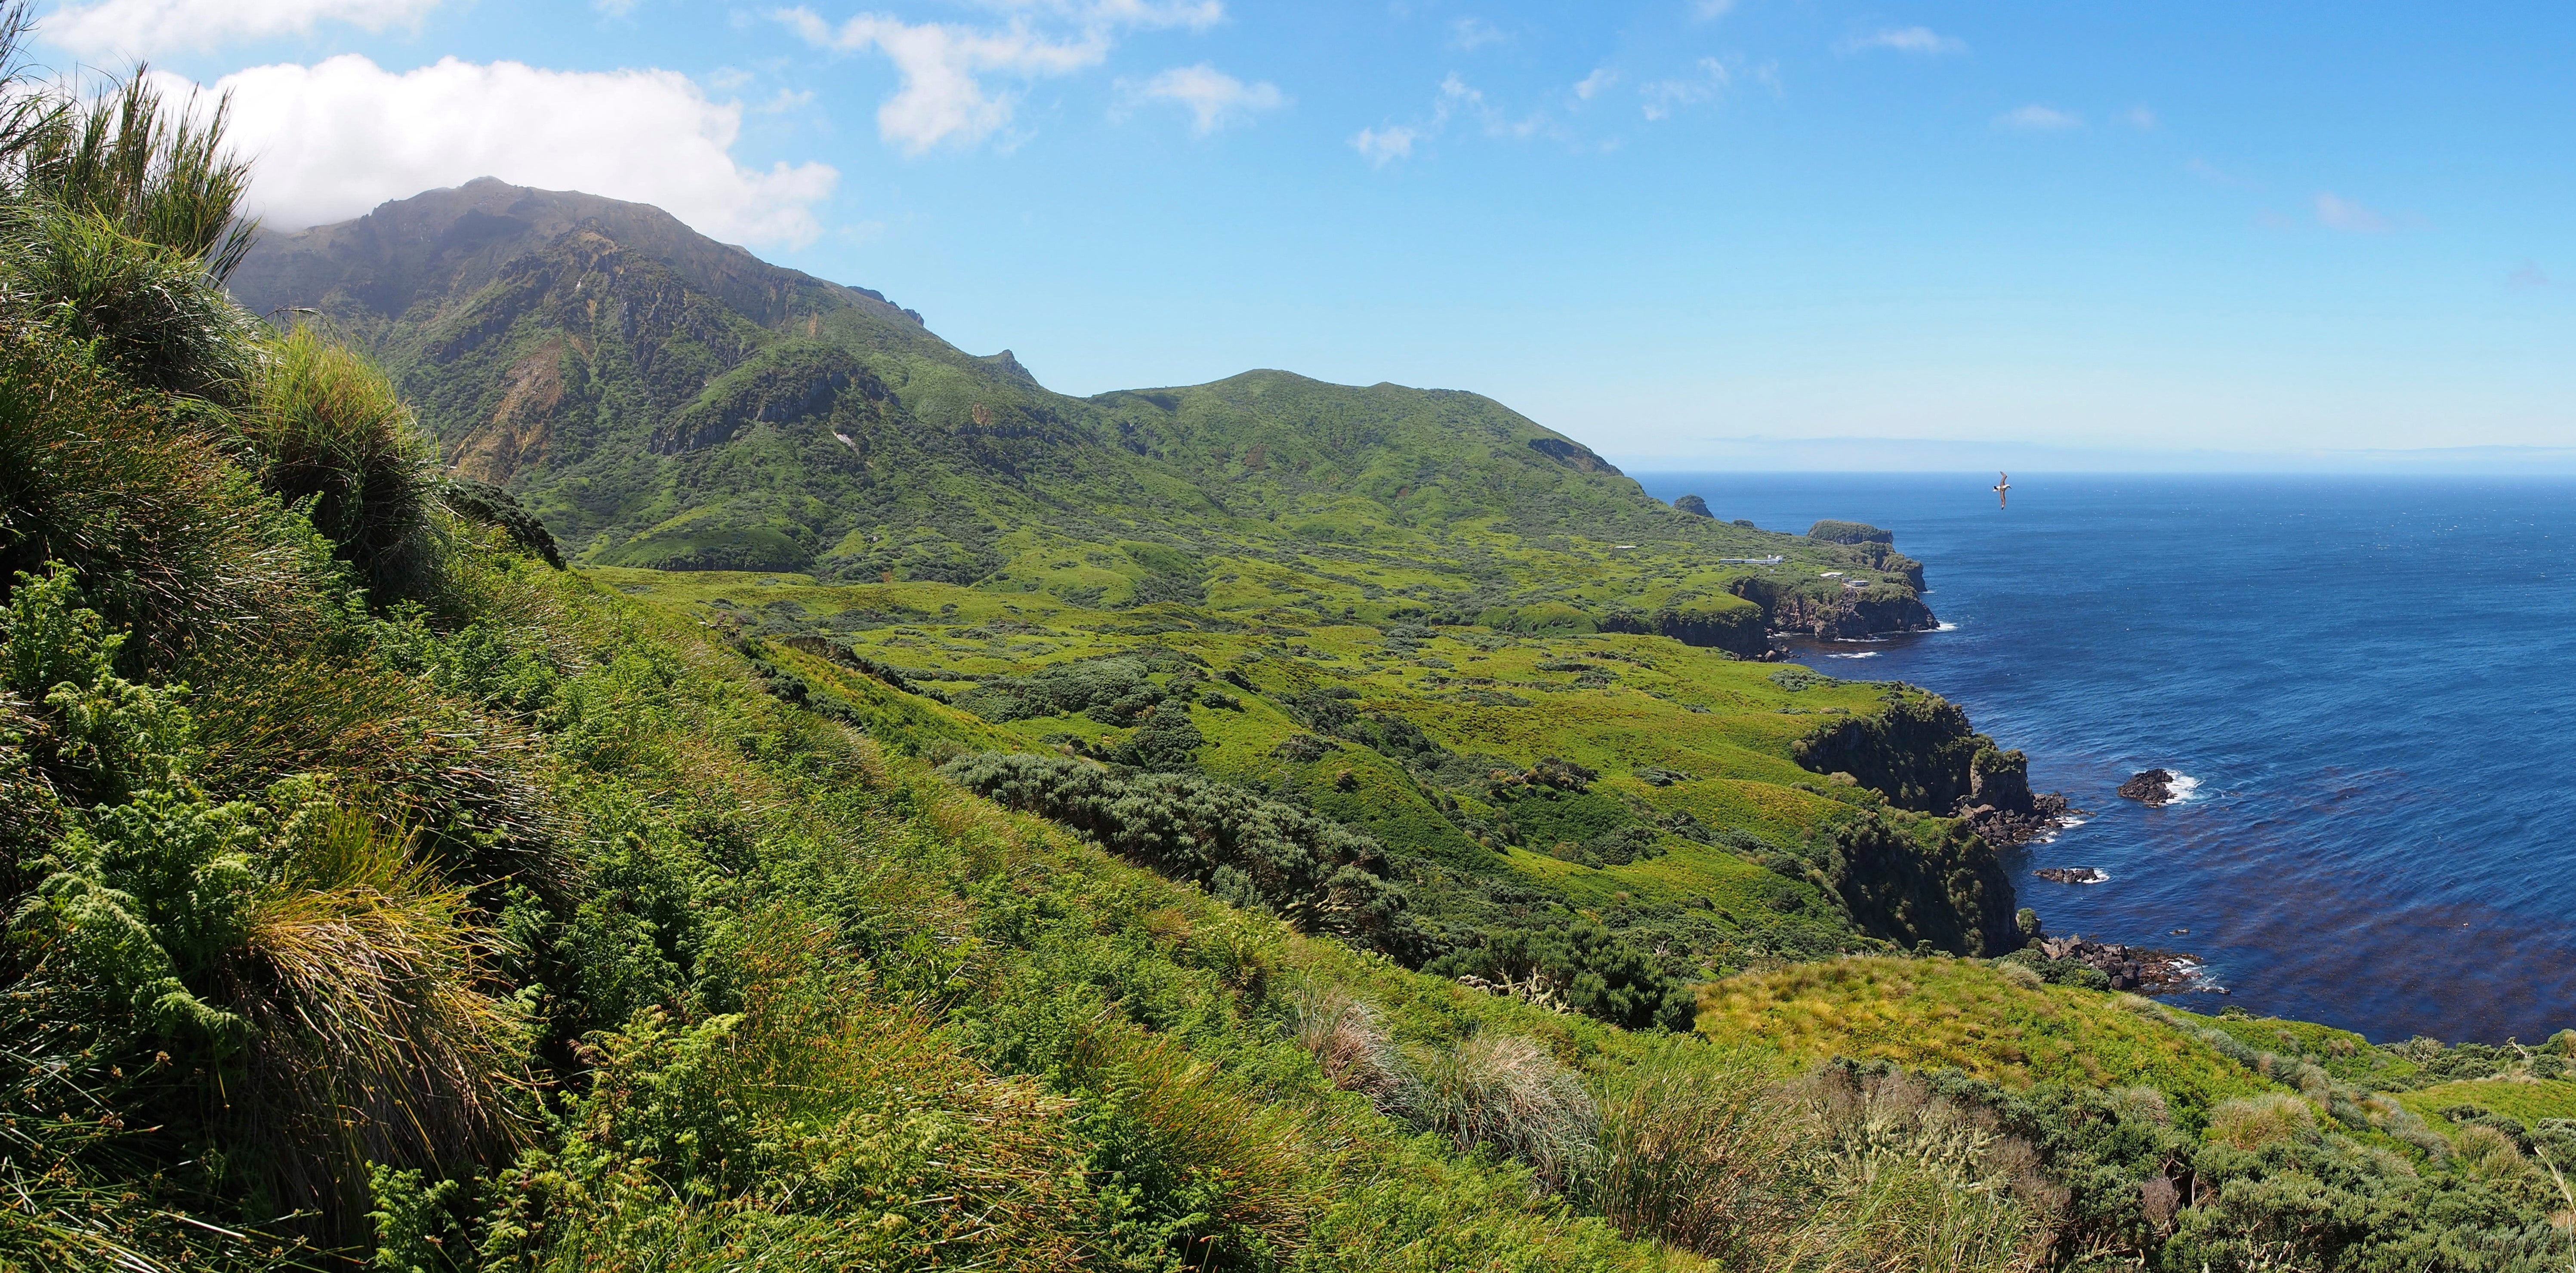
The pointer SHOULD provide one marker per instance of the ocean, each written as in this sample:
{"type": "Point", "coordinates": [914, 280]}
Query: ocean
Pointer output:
{"type": "Point", "coordinates": [2370, 684]}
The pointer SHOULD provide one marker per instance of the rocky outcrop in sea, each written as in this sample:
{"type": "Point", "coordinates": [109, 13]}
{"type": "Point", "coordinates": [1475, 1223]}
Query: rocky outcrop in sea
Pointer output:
{"type": "Point", "coordinates": [2154, 788]}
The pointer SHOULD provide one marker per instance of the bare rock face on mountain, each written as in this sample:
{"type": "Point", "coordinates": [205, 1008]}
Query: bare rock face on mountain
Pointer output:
{"type": "Point", "coordinates": [1694, 505]}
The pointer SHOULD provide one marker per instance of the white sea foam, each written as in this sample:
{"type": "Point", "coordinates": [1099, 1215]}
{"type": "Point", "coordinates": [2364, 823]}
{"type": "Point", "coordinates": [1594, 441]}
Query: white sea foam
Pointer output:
{"type": "Point", "coordinates": [1865, 654]}
{"type": "Point", "coordinates": [1945, 627]}
{"type": "Point", "coordinates": [2055, 829]}
{"type": "Point", "coordinates": [2185, 789]}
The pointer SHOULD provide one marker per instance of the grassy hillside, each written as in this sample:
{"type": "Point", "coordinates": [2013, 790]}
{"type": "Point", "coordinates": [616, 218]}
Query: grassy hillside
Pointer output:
{"type": "Point", "coordinates": [663, 401]}
{"type": "Point", "coordinates": [380, 895]}
{"type": "Point", "coordinates": [1514, 781]}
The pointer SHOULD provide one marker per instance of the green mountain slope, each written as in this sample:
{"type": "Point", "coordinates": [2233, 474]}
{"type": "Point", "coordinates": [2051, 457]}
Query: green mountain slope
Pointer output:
{"type": "Point", "coordinates": [381, 894]}
{"type": "Point", "coordinates": [1455, 634]}
{"type": "Point", "coordinates": [664, 401]}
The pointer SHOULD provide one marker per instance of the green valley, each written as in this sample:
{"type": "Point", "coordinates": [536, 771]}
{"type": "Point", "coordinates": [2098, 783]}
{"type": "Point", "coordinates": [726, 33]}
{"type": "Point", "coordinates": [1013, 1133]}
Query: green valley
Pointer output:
{"type": "Point", "coordinates": [577, 749]}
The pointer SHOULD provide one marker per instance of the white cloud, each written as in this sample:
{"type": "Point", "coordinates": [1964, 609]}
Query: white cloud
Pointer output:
{"type": "Point", "coordinates": [145, 28]}
{"type": "Point", "coordinates": [614, 8]}
{"type": "Point", "coordinates": [1472, 34]}
{"type": "Point", "coordinates": [1381, 146]}
{"type": "Point", "coordinates": [940, 99]}
{"type": "Point", "coordinates": [332, 140]}
{"type": "Point", "coordinates": [2039, 119]}
{"type": "Point", "coordinates": [1590, 86]}
{"type": "Point", "coordinates": [1196, 15]}
{"type": "Point", "coordinates": [1213, 98]}
{"type": "Point", "coordinates": [2343, 214]}
{"type": "Point", "coordinates": [1919, 40]}
{"type": "Point", "coordinates": [1663, 97]}
{"type": "Point", "coordinates": [2140, 118]}
{"type": "Point", "coordinates": [1456, 98]}
{"type": "Point", "coordinates": [1704, 10]}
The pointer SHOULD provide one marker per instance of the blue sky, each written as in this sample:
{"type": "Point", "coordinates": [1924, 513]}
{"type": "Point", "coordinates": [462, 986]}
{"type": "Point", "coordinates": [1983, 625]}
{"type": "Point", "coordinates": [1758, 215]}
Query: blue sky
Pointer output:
{"type": "Point", "coordinates": [1685, 231]}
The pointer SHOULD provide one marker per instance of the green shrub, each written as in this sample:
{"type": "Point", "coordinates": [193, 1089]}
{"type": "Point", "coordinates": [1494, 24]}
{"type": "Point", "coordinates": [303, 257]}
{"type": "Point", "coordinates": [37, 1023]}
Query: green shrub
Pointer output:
{"type": "Point", "coordinates": [1933, 882]}
{"type": "Point", "coordinates": [1838, 532]}
{"type": "Point", "coordinates": [1581, 965]}
{"type": "Point", "coordinates": [1244, 849]}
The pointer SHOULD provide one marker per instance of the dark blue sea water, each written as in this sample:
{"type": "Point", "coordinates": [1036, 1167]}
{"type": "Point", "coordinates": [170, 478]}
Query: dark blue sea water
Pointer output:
{"type": "Point", "coordinates": [2373, 682]}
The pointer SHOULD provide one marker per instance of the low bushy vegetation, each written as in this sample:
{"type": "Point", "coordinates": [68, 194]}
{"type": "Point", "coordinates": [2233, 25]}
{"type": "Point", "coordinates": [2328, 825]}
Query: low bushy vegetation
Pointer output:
{"type": "Point", "coordinates": [378, 894]}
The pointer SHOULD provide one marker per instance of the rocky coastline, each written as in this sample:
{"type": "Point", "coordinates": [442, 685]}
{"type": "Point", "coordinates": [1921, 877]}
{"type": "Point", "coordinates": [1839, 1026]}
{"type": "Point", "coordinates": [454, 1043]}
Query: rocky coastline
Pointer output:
{"type": "Point", "coordinates": [2141, 969]}
{"type": "Point", "coordinates": [2042, 818]}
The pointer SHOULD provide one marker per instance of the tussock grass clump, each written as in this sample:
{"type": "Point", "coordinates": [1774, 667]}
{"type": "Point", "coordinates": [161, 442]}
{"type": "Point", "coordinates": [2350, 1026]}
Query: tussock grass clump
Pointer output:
{"type": "Point", "coordinates": [153, 170]}
{"type": "Point", "coordinates": [464, 779]}
{"type": "Point", "coordinates": [2489, 1153]}
{"type": "Point", "coordinates": [1900, 1178]}
{"type": "Point", "coordinates": [1342, 1032]}
{"type": "Point", "coordinates": [328, 434]}
{"type": "Point", "coordinates": [150, 311]}
{"type": "Point", "coordinates": [170, 540]}
{"type": "Point", "coordinates": [2252, 1122]}
{"type": "Point", "coordinates": [1506, 1093]}
{"type": "Point", "coordinates": [1690, 1148]}
{"type": "Point", "coordinates": [370, 1042]}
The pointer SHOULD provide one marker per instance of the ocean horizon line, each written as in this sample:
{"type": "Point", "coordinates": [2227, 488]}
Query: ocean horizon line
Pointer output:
{"type": "Point", "coordinates": [1901, 456]}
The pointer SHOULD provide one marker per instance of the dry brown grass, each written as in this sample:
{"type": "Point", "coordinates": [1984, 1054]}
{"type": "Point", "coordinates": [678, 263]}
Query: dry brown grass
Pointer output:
{"type": "Point", "coordinates": [1343, 1034]}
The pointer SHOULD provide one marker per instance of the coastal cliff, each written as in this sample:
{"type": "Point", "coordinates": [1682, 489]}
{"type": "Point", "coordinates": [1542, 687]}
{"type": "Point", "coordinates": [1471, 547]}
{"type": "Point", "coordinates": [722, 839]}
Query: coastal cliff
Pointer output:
{"type": "Point", "coordinates": [1828, 610]}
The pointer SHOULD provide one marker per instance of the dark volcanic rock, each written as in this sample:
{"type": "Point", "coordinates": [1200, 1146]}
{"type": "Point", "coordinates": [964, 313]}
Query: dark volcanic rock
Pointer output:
{"type": "Point", "coordinates": [2071, 874]}
{"type": "Point", "coordinates": [2154, 788]}
{"type": "Point", "coordinates": [2138, 968]}
{"type": "Point", "coordinates": [1694, 505]}
{"type": "Point", "coordinates": [2000, 804]}
{"type": "Point", "coordinates": [2004, 827]}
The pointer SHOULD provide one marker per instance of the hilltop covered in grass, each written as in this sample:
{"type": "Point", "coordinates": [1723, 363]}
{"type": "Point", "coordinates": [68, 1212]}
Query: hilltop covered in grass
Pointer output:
{"type": "Point", "coordinates": [381, 895]}
{"type": "Point", "coordinates": [667, 402]}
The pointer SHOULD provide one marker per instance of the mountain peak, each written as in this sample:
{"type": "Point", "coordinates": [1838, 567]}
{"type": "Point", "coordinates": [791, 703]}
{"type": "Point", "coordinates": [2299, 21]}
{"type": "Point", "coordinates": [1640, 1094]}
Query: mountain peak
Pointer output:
{"type": "Point", "coordinates": [447, 243]}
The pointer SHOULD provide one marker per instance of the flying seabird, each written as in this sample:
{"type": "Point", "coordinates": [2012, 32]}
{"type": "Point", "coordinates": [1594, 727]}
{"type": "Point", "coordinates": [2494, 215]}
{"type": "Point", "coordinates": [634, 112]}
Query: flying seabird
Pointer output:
{"type": "Point", "coordinates": [2002, 488]}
